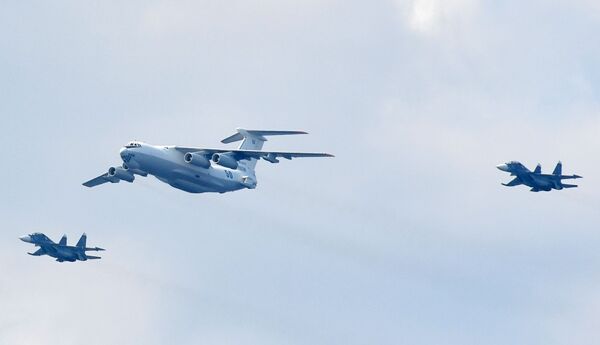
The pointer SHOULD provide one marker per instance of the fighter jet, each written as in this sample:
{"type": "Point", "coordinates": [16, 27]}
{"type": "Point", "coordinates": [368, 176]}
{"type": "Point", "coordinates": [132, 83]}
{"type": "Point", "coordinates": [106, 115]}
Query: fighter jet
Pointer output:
{"type": "Point", "coordinates": [535, 179]}
{"type": "Point", "coordinates": [61, 251]}
{"type": "Point", "coordinates": [197, 169]}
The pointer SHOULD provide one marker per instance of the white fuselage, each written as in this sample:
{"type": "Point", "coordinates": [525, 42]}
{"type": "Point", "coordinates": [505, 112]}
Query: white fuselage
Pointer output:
{"type": "Point", "coordinates": [168, 165]}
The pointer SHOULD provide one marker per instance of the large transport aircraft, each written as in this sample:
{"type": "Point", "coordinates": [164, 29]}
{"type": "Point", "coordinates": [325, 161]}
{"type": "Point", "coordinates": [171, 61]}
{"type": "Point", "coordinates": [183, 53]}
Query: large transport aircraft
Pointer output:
{"type": "Point", "coordinates": [200, 170]}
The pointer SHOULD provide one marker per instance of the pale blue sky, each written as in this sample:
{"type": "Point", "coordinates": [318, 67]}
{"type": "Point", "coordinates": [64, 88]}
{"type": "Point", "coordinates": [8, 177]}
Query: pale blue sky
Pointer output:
{"type": "Point", "coordinates": [406, 237]}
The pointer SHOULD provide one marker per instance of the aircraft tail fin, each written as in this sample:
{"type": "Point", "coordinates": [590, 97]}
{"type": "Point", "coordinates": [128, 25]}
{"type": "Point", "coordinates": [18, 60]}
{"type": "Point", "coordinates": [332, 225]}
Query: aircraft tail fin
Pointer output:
{"type": "Point", "coordinates": [538, 169]}
{"type": "Point", "coordinates": [82, 240]}
{"type": "Point", "coordinates": [558, 169]}
{"type": "Point", "coordinates": [254, 140]}
{"type": "Point", "coordinates": [63, 241]}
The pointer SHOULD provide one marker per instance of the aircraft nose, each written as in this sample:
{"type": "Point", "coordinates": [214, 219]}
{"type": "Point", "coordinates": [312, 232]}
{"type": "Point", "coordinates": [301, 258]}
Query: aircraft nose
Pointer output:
{"type": "Point", "coordinates": [122, 151]}
{"type": "Point", "coordinates": [25, 238]}
{"type": "Point", "coordinates": [502, 167]}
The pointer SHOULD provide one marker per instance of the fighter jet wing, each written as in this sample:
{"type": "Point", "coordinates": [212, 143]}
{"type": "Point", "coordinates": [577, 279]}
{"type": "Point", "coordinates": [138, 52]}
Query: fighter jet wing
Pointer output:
{"type": "Point", "coordinates": [515, 182]}
{"type": "Point", "coordinates": [39, 252]}
{"type": "Point", "coordinates": [100, 180]}
{"type": "Point", "coordinates": [270, 156]}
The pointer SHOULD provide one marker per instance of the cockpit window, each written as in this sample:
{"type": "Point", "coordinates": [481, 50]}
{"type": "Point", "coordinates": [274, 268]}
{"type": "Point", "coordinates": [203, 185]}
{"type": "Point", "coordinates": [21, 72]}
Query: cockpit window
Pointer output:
{"type": "Point", "coordinates": [132, 145]}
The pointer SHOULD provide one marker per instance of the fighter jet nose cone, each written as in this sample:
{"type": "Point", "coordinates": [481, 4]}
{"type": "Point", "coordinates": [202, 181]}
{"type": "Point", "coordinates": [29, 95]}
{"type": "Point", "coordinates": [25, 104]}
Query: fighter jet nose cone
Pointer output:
{"type": "Point", "coordinates": [502, 167]}
{"type": "Point", "coordinates": [25, 238]}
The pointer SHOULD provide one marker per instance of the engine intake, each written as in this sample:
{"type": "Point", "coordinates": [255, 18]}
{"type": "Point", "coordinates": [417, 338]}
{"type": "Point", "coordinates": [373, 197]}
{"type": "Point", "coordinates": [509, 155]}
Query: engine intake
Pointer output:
{"type": "Point", "coordinates": [197, 160]}
{"type": "Point", "coordinates": [121, 174]}
{"type": "Point", "coordinates": [225, 160]}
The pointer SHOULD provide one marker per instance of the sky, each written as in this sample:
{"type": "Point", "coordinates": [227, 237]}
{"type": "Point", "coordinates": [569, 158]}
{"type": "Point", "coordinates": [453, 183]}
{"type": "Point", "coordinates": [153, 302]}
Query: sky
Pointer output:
{"type": "Point", "coordinates": [406, 236]}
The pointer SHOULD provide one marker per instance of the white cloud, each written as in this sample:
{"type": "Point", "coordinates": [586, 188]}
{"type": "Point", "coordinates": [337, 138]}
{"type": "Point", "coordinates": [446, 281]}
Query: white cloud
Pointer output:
{"type": "Point", "coordinates": [435, 16]}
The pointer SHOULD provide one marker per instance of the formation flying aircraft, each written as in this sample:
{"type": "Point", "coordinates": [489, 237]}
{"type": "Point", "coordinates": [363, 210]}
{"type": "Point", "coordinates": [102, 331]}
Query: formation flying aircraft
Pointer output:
{"type": "Point", "coordinates": [535, 179]}
{"type": "Point", "coordinates": [61, 251]}
{"type": "Point", "coordinates": [200, 170]}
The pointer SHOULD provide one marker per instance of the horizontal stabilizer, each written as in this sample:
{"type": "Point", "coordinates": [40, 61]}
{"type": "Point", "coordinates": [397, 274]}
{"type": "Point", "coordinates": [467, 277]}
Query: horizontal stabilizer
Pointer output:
{"type": "Point", "coordinates": [256, 134]}
{"type": "Point", "coordinates": [97, 249]}
{"type": "Point", "coordinates": [566, 177]}
{"type": "Point", "coordinates": [90, 257]}
{"type": "Point", "coordinates": [570, 177]}
{"type": "Point", "coordinates": [569, 185]}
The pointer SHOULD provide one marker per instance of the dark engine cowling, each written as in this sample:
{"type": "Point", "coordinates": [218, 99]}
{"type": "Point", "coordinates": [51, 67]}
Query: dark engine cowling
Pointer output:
{"type": "Point", "coordinates": [225, 160]}
{"type": "Point", "coordinates": [197, 160]}
{"type": "Point", "coordinates": [121, 174]}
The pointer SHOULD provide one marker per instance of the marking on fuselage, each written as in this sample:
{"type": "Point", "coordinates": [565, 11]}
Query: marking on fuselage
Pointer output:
{"type": "Point", "coordinates": [127, 157]}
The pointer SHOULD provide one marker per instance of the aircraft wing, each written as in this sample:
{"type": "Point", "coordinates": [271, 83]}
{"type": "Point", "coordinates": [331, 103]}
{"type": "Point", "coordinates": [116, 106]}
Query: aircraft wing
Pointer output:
{"type": "Point", "coordinates": [39, 252]}
{"type": "Point", "coordinates": [270, 156]}
{"type": "Point", "coordinates": [100, 180]}
{"type": "Point", "coordinates": [517, 181]}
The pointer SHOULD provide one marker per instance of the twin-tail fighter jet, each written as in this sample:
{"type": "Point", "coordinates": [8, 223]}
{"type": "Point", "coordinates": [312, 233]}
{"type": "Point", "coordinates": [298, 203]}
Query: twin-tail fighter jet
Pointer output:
{"type": "Point", "coordinates": [535, 179]}
{"type": "Point", "coordinates": [200, 170]}
{"type": "Point", "coordinates": [61, 251]}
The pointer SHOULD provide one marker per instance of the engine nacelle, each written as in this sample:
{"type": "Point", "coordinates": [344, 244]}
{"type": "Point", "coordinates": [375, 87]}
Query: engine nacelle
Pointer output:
{"type": "Point", "coordinates": [225, 160]}
{"type": "Point", "coordinates": [197, 160]}
{"type": "Point", "coordinates": [121, 174]}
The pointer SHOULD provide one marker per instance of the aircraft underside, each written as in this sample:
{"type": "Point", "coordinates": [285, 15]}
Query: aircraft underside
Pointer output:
{"type": "Point", "coordinates": [196, 182]}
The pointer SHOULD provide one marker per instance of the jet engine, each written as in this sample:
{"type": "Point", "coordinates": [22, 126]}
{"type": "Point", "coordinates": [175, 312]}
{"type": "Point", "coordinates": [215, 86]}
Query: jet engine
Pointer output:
{"type": "Point", "coordinates": [197, 160]}
{"type": "Point", "coordinates": [225, 160]}
{"type": "Point", "coordinates": [121, 174]}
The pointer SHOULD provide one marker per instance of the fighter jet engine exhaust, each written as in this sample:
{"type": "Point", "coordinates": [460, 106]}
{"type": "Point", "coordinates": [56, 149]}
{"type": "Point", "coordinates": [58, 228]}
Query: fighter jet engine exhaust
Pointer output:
{"type": "Point", "coordinates": [121, 174]}
{"type": "Point", "coordinates": [197, 160]}
{"type": "Point", "coordinates": [225, 160]}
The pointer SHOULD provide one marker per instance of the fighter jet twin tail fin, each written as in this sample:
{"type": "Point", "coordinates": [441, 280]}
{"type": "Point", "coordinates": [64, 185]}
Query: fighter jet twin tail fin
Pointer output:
{"type": "Point", "coordinates": [558, 169]}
